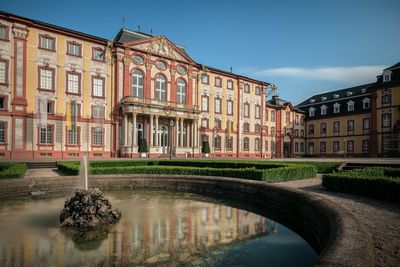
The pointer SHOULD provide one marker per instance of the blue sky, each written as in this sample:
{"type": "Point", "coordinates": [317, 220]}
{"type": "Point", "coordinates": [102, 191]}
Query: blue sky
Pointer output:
{"type": "Point", "coordinates": [305, 47]}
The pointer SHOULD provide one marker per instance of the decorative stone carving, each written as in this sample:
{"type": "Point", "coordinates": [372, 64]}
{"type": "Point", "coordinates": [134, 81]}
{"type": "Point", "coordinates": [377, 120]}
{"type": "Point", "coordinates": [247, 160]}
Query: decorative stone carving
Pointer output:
{"type": "Point", "coordinates": [161, 47]}
{"type": "Point", "coordinates": [127, 61]}
{"type": "Point", "coordinates": [173, 72]}
{"type": "Point", "coordinates": [148, 66]}
{"type": "Point", "coordinates": [20, 31]}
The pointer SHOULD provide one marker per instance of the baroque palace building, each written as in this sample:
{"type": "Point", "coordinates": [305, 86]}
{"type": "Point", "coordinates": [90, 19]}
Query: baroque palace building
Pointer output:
{"type": "Point", "coordinates": [63, 93]}
{"type": "Point", "coordinates": [357, 121]}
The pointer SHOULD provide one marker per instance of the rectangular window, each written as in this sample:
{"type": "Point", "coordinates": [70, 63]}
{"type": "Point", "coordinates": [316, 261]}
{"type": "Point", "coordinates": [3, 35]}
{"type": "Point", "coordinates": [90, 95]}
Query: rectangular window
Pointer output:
{"type": "Point", "coordinates": [272, 130]}
{"type": "Point", "coordinates": [386, 120]}
{"type": "Point", "coordinates": [366, 124]}
{"type": "Point", "coordinates": [246, 144]}
{"type": "Point", "coordinates": [2, 132]}
{"type": "Point", "coordinates": [218, 105]}
{"type": "Point", "coordinates": [218, 82]}
{"type": "Point", "coordinates": [296, 133]}
{"type": "Point", "coordinates": [204, 123]}
{"type": "Point", "coordinates": [247, 88]}
{"type": "Point", "coordinates": [336, 109]}
{"type": "Point", "coordinates": [322, 147]}
{"type": "Point", "coordinates": [301, 147]}
{"type": "Point", "coordinates": [98, 54]}
{"type": "Point", "coordinates": [257, 128]}
{"type": "Point", "coordinates": [386, 99]}
{"type": "Point", "coordinates": [73, 136]}
{"type": "Point", "coordinates": [287, 117]}
{"type": "Point", "coordinates": [229, 107]}
{"type": "Point", "coordinates": [3, 33]}
{"type": "Point", "coordinates": [50, 107]}
{"type": "Point", "coordinates": [323, 128]}
{"type": "Point", "coordinates": [246, 110]}
{"type": "Point", "coordinates": [258, 90]}
{"type": "Point", "coordinates": [246, 127]}
{"type": "Point", "coordinates": [97, 112]}
{"type": "Point", "coordinates": [230, 84]}
{"type": "Point", "coordinates": [302, 120]}
{"type": "Point", "coordinates": [46, 135]}
{"type": "Point", "coordinates": [204, 79]}
{"type": "Point", "coordinates": [74, 49]}
{"type": "Point", "coordinates": [266, 115]}
{"type": "Point", "coordinates": [3, 71]}
{"type": "Point", "coordinates": [296, 147]}
{"type": "Point", "coordinates": [336, 146]}
{"type": "Point", "coordinates": [204, 103]}
{"type": "Point", "coordinates": [46, 79]}
{"type": "Point", "coordinates": [98, 87]}
{"type": "Point", "coordinates": [365, 146]}
{"type": "Point", "coordinates": [229, 143]}
{"type": "Point", "coordinates": [311, 129]}
{"type": "Point", "coordinates": [273, 115]}
{"type": "Point", "coordinates": [301, 133]}
{"type": "Point", "coordinates": [296, 120]}
{"type": "Point", "coordinates": [350, 146]}
{"type": "Point", "coordinates": [2, 102]}
{"type": "Point", "coordinates": [98, 136]}
{"type": "Point", "coordinates": [257, 144]}
{"type": "Point", "coordinates": [217, 142]}
{"type": "Point", "coordinates": [258, 115]}
{"type": "Point", "coordinates": [217, 124]}
{"type": "Point", "coordinates": [47, 42]}
{"type": "Point", "coordinates": [336, 126]}
{"type": "Point", "coordinates": [350, 125]}
{"type": "Point", "coordinates": [73, 83]}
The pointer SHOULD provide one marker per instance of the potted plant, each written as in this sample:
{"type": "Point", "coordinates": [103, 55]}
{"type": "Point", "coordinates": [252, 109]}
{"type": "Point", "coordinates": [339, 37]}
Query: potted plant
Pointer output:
{"type": "Point", "coordinates": [143, 148]}
{"type": "Point", "coordinates": [205, 149]}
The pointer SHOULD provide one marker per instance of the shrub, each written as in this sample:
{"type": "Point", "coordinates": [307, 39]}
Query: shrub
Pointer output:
{"type": "Point", "coordinates": [371, 182]}
{"type": "Point", "coordinates": [12, 170]}
{"type": "Point", "coordinates": [143, 146]}
{"type": "Point", "coordinates": [205, 148]}
{"type": "Point", "coordinates": [69, 168]}
{"type": "Point", "coordinates": [322, 167]}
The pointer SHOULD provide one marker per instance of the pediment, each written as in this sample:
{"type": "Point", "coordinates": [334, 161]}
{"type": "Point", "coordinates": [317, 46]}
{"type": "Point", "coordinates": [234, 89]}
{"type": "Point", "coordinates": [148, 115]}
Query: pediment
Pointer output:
{"type": "Point", "coordinates": [161, 46]}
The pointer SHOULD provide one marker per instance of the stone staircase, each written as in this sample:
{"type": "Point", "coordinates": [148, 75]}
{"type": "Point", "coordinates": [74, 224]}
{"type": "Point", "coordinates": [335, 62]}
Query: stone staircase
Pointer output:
{"type": "Point", "coordinates": [42, 165]}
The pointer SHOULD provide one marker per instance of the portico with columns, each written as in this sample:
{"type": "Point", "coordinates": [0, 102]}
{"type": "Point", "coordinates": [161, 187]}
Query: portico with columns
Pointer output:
{"type": "Point", "coordinates": [143, 118]}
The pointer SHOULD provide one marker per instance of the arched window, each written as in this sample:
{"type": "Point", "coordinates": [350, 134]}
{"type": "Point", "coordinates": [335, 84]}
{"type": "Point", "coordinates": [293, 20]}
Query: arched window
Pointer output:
{"type": "Point", "coordinates": [161, 88]}
{"type": "Point", "coordinates": [137, 83]}
{"type": "Point", "coordinates": [181, 92]}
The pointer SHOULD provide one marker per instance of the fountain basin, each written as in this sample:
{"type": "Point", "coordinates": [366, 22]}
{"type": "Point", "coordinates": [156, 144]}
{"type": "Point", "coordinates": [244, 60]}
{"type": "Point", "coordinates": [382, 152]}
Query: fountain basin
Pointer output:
{"type": "Point", "coordinates": [337, 237]}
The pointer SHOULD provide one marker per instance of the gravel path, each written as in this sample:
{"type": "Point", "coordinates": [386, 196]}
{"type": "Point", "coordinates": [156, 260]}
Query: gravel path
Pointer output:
{"type": "Point", "coordinates": [381, 218]}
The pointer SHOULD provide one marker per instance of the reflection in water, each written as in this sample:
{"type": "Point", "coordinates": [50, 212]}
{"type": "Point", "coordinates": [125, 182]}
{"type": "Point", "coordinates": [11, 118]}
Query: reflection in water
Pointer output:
{"type": "Point", "coordinates": [156, 227]}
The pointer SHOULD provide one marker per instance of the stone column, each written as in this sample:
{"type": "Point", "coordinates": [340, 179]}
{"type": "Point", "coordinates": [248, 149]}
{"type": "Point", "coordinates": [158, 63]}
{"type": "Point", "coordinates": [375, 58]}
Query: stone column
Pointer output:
{"type": "Point", "coordinates": [156, 138]}
{"type": "Point", "coordinates": [151, 129]}
{"type": "Point", "coordinates": [192, 133]}
{"type": "Point", "coordinates": [188, 133]}
{"type": "Point", "coordinates": [181, 135]}
{"type": "Point", "coordinates": [125, 126]}
{"type": "Point", "coordinates": [176, 131]}
{"type": "Point", "coordinates": [134, 129]}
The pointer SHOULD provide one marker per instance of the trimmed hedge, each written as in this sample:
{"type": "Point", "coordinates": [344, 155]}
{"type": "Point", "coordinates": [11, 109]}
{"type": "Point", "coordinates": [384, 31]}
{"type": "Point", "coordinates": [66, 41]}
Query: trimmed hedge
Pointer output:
{"type": "Point", "coordinates": [322, 167]}
{"type": "Point", "coordinates": [371, 182]}
{"type": "Point", "coordinates": [12, 170]}
{"type": "Point", "coordinates": [267, 171]}
{"type": "Point", "coordinates": [69, 168]}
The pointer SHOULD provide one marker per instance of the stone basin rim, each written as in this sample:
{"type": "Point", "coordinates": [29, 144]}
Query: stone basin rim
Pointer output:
{"type": "Point", "coordinates": [343, 240]}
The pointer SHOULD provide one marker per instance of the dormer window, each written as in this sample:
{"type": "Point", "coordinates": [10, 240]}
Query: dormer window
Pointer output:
{"type": "Point", "coordinates": [336, 108]}
{"type": "Point", "coordinates": [350, 106]}
{"type": "Point", "coordinates": [312, 100]}
{"type": "Point", "coordinates": [335, 96]}
{"type": "Point", "coordinates": [387, 77]}
{"type": "Point", "coordinates": [323, 98]}
{"type": "Point", "coordinates": [363, 91]}
{"type": "Point", "coordinates": [323, 110]}
{"type": "Point", "coordinates": [311, 112]}
{"type": "Point", "coordinates": [349, 93]}
{"type": "Point", "coordinates": [366, 103]}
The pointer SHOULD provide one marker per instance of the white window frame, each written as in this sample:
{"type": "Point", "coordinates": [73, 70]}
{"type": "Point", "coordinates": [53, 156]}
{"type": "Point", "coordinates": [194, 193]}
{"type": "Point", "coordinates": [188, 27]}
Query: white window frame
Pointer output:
{"type": "Point", "coordinates": [204, 103]}
{"type": "Point", "coordinates": [46, 79]}
{"type": "Point", "coordinates": [311, 112]}
{"type": "Point", "coordinates": [161, 88]}
{"type": "Point", "coordinates": [137, 83]}
{"type": "Point", "coordinates": [73, 83]}
{"type": "Point", "coordinates": [181, 91]}
{"type": "Point", "coordinates": [350, 106]}
{"type": "Point", "coordinates": [74, 49]}
{"type": "Point", "coordinates": [98, 136]}
{"type": "Point", "coordinates": [336, 108]}
{"type": "Point", "coordinates": [98, 87]}
{"type": "Point", "coordinates": [218, 105]}
{"type": "Point", "coordinates": [366, 103]}
{"type": "Point", "coordinates": [3, 71]}
{"type": "Point", "coordinates": [47, 42]}
{"type": "Point", "coordinates": [323, 110]}
{"type": "Point", "coordinates": [229, 107]}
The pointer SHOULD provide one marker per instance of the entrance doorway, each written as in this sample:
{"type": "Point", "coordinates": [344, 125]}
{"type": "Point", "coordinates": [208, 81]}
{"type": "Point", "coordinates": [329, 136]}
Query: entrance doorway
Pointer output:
{"type": "Point", "coordinates": [287, 146]}
{"type": "Point", "coordinates": [163, 138]}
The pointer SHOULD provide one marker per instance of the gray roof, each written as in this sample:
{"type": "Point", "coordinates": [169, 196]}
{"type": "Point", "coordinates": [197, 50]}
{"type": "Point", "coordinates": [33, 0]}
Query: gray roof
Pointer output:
{"type": "Point", "coordinates": [395, 66]}
{"type": "Point", "coordinates": [125, 35]}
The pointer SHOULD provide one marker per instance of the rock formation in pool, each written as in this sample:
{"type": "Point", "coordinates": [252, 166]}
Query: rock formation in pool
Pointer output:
{"type": "Point", "coordinates": [88, 210]}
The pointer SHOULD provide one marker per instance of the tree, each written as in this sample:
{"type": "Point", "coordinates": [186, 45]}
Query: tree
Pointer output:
{"type": "Point", "coordinates": [143, 146]}
{"type": "Point", "coordinates": [205, 149]}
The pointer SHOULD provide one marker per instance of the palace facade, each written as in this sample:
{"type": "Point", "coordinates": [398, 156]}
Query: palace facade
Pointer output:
{"type": "Point", "coordinates": [357, 121]}
{"type": "Point", "coordinates": [64, 93]}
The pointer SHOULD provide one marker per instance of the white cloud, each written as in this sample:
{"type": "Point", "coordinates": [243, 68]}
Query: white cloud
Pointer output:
{"type": "Point", "coordinates": [337, 74]}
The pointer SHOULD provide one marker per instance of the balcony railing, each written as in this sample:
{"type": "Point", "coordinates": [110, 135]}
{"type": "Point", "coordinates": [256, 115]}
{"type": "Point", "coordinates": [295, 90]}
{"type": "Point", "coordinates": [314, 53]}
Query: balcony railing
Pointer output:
{"type": "Point", "coordinates": [159, 103]}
